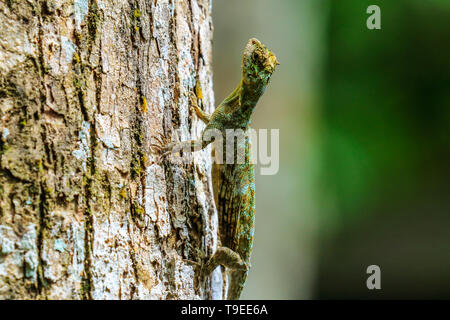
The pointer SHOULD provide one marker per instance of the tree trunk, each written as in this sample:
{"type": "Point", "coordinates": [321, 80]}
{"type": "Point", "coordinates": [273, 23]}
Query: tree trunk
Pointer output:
{"type": "Point", "coordinates": [86, 210]}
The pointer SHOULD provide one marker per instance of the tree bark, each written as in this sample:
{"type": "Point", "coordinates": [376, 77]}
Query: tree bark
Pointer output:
{"type": "Point", "coordinates": [86, 210]}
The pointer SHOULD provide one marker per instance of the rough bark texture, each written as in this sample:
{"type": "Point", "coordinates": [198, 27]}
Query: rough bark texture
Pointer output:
{"type": "Point", "coordinates": [85, 209]}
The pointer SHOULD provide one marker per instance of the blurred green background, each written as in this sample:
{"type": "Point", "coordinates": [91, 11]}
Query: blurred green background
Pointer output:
{"type": "Point", "coordinates": [364, 119]}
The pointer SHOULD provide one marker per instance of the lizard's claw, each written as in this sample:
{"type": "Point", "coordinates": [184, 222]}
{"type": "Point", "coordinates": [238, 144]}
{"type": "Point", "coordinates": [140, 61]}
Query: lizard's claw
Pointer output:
{"type": "Point", "coordinates": [194, 108]}
{"type": "Point", "coordinates": [161, 147]}
{"type": "Point", "coordinates": [193, 98]}
{"type": "Point", "coordinates": [160, 138]}
{"type": "Point", "coordinates": [195, 263]}
{"type": "Point", "coordinates": [194, 105]}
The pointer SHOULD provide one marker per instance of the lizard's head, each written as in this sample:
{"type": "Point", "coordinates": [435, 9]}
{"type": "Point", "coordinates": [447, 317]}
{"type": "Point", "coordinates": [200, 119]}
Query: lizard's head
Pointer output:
{"type": "Point", "coordinates": [258, 63]}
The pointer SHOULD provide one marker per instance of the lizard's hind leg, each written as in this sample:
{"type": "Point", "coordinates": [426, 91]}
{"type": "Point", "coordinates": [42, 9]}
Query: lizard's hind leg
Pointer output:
{"type": "Point", "coordinates": [226, 257]}
{"type": "Point", "coordinates": [232, 261]}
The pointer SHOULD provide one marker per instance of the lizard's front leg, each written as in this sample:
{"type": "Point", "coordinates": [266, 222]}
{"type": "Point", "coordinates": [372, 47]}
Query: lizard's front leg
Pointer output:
{"type": "Point", "coordinates": [165, 148]}
{"type": "Point", "coordinates": [185, 146]}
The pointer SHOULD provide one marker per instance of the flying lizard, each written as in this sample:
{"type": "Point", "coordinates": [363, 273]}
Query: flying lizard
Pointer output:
{"type": "Point", "coordinates": [234, 181]}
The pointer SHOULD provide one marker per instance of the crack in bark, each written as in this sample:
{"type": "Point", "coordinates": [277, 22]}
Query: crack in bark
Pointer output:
{"type": "Point", "coordinates": [40, 238]}
{"type": "Point", "coordinates": [43, 205]}
{"type": "Point", "coordinates": [92, 30]}
{"type": "Point", "coordinates": [133, 263]}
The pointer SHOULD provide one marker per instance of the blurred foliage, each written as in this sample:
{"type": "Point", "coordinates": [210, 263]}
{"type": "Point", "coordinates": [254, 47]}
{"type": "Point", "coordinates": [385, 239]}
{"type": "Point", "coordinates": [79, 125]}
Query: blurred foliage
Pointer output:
{"type": "Point", "coordinates": [386, 111]}
{"type": "Point", "coordinates": [386, 155]}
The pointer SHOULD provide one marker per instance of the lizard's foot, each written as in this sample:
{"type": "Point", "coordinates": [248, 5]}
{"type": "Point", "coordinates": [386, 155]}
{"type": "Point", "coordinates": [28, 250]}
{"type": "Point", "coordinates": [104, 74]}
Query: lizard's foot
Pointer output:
{"type": "Point", "coordinates": [193, 99]}
{"type": "Point", "coordinates": [199, 112]}
{"type": "Point", "coordinates": [161, 147]}
{"type": "Point", "coordinates": [160, 142]}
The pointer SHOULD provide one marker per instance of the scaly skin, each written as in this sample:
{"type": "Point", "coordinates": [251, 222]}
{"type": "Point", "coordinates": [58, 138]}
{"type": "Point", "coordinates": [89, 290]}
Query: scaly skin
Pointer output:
{"type": "Point", "coordinates": [234, 184]}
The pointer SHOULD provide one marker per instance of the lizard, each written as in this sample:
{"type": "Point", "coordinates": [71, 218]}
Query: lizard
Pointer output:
{"type": "Point", "coordinates": [234, 183]}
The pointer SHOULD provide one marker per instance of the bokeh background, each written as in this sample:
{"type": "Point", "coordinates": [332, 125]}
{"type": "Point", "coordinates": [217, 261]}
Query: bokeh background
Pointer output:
{"type": "Point", "coordinates": [364, 119]}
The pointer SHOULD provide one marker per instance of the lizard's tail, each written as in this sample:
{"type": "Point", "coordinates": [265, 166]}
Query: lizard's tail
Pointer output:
{"type": "Point", "coordinates": [236, 284]}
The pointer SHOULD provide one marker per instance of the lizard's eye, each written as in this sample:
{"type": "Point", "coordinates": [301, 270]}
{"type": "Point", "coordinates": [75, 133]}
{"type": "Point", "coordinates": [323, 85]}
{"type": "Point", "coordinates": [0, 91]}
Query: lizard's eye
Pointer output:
{"type": "Point", "coordinates": [255, 56]}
